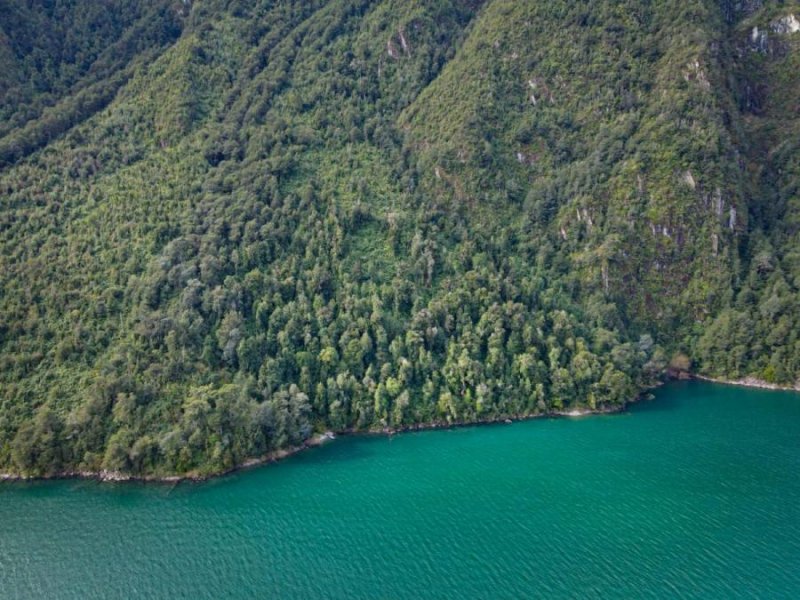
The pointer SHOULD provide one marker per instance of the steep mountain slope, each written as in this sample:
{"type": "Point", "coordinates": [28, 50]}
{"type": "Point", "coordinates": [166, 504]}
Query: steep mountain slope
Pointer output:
{"type": "Point", "coordinates": [355, 214]}
{"type": "Point", "coordinates": [62, 61]}
{"type": "Point", "coordinates": [757, 332]}
{"type": "Point", "coordinates": [609, 143]}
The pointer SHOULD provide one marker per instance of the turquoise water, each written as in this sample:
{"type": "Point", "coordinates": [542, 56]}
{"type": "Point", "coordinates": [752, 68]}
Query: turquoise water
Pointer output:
{"type": "Point", "coordinates": [693, 494]}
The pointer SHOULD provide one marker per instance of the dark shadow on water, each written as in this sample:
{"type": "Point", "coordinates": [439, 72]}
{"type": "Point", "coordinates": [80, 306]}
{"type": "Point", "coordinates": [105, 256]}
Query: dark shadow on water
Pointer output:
{"type": "Point", "coordinates": [341, 450]}
{"type": "Point", "coordinates": [666, 398]}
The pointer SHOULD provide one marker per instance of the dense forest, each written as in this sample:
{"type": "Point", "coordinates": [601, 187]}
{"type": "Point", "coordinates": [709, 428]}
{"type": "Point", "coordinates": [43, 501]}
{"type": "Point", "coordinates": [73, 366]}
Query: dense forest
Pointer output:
{"type": "Point", "coordinates": [225, 225]}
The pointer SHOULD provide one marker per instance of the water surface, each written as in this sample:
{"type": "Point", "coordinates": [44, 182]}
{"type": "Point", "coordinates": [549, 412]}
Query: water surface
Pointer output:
{"type": "Point", "coordinates": [693, 494]}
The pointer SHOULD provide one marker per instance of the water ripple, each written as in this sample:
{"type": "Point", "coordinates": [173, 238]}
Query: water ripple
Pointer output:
{"type": "Point", "coordinates": [693, 495]}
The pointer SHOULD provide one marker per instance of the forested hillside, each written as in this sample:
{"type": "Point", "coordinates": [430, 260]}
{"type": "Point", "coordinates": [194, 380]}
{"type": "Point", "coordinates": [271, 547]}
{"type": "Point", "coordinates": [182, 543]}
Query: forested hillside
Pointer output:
{"type": "Point", "coordinates": [226, 224]}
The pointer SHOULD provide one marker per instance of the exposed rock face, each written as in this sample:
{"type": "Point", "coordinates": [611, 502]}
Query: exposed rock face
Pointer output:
{"type": "Point", "coordinates": [694, 72]}
{"type": "Point", "coordinates": [759, 41]}
{"type": "Point", "coordinates": [785, 25]}
{"type": "Point", "coordinates": [765, 40]}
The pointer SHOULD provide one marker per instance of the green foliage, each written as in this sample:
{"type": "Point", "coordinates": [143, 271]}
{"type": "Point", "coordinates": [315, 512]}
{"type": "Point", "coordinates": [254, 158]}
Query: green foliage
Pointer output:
{"type": "Point", "coordinates": [757, 334]}
{"type": "Point", "coordinates": [63, 61]}
{"type": "Point", "coordinates": [226, 225]}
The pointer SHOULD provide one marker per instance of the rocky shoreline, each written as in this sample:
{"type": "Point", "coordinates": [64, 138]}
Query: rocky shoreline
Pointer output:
{"type": "Point", "coordinates": [751, 382]}
{"type": "Point", "coordinates": [116, 476]}
{"type": "Point", "coordinates": [580, 412]}
{"type": "Point", "coordinates": [314, 441]}
{"type": "Point", "coordinates": [322, 438]}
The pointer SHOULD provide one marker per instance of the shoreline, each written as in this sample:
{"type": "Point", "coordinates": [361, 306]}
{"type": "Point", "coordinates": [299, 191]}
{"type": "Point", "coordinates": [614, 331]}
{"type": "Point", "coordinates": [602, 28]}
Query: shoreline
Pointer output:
{"type": "Point", "coordinates": [117, 477]}
{"type": "Point", "coordinates": [322, 438]}
{"type": "Point", "coordinates": [313, 442]}
{"type": "Point", "coordinates": [749, 382]}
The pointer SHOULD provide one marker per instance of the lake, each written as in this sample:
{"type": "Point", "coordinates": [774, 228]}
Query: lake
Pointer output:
{"type": "Point", "coordinates": [693, 494]}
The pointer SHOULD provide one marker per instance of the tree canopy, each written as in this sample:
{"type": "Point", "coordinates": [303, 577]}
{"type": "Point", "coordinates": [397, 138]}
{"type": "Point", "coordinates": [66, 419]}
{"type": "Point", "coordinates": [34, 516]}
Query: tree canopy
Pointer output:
{"type": "Point", "coordinates": [225, 225]}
